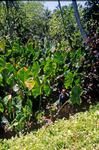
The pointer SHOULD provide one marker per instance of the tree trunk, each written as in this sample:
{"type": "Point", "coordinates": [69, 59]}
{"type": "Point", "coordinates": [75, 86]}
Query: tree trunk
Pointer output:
{"type": "Point", "coordinates": [65, 31]}
{"type": "Point", "coordinates": [77, 16]}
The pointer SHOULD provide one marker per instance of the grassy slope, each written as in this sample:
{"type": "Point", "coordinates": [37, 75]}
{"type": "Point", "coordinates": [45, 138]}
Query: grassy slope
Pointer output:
{"type": "Point", "coordinates": [80, 132]}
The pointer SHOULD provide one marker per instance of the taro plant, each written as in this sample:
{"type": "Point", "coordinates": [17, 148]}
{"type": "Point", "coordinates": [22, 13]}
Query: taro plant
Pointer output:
{"type": "Point", "coordinates": [25, 78]}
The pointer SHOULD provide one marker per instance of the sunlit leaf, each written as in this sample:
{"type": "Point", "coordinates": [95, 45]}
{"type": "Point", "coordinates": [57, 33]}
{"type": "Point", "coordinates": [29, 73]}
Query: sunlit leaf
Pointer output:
{"type": "Point", "coordinates": [23, 74]}
{"type": "Point", "coordinates": [36, 69]}
{"type": "Point", "coordinates": [6, 99]}
{"type": "Point", "coordinates": [30, 83]}
{"type": "Point", "coordinates": [37, 89]}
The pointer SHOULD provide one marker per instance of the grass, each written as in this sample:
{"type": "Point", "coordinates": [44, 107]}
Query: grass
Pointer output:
{"type": "Point", "coordinates": [80, 132]}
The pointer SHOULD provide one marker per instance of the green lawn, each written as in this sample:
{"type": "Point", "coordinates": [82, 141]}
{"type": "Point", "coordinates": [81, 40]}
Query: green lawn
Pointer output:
{"type": "Point", "coordinates": [80, 132]}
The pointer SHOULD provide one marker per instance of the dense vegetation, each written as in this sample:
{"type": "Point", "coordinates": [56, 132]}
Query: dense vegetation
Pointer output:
{"type": "Point", "coordinates": [79, 132]}
{"type": "Point", "coordinates": [42, 52]}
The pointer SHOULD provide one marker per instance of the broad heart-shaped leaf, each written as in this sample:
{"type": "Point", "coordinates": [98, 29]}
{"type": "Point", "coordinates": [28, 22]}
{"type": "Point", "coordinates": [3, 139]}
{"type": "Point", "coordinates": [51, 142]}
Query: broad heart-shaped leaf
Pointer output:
{"type": "Point", "coordinates": [1, 107]}
{"type": "Point", "coordinates": [29, 83]}
{"type": "Point", "coordinates": [68, 79]}
{"type": "Point", "coordinates": [23, 74]}
{"type": "Point", "coordinates": [36, 91]}
{"type": "Point", "coordinates": [75, 94]}
{"type": "Point", "coordinates": [35, 69]}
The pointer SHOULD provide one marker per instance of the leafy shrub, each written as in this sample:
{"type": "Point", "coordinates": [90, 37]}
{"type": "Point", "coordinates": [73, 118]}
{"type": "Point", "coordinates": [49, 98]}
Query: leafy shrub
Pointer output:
{"type": "Point", "coordinates": [24, 79]}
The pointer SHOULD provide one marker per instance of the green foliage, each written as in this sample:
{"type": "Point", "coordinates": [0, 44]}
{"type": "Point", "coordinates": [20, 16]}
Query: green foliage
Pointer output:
{"type": "Point", "coordinates": [75, 94]}
{"type": "Point", "coordinates": [21, 79]}
{"type": "Point", "coordinates": [36, 69]}
{"type": "Point", "coordinates": [35, 49]}
{"type": "Point", "coordinates": [47, 89]}
{"type": "Point", "coordinates": [69, 79]}
{"type": "Point", "coordinates": [23, 22]}
{"type": "Point", "coordinates": [68, 34]}
{"type": "Point", "coordinates": [59, 57]}
{"type": "Point", "coordinates": [50, 67]}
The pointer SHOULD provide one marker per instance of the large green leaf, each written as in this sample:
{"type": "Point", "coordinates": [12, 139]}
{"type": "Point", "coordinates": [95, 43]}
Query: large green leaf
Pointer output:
{"type": "Point", "coordinates": [69, 76]}
{"type": "Point", "coordinates": [35, 69]}
{"type": "Point", "coordinates": [75, 94]}
{"type": "Point", "coordinates": [36, 89]}
{"type": "Point", "coordinates": [23, 74]}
